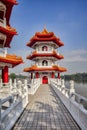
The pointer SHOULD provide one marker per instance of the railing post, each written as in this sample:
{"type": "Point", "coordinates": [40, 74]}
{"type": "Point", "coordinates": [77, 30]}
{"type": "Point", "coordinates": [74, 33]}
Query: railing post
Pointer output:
{"type": "Point", "coordinates": [62, 85]}
{"type": "Point", "coordinates": [10, 83]}
{"type": "Point", "coordinates": [26, 87]}
{"type": "Point", "coordinates": [15, 84]}
{"type": "Point", "coordinates": [20, 88]}
{"type": "Point", "coordinates": [72, 89]}
{"type": "Point", "coordinates": [0, 113]}
{"type": "Point", "coordinates": [1, 83]}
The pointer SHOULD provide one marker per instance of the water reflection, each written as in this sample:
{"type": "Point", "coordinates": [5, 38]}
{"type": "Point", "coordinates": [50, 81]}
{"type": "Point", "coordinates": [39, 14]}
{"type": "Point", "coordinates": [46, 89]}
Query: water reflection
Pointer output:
{"type": "Point", "coordinates": [80, 88]}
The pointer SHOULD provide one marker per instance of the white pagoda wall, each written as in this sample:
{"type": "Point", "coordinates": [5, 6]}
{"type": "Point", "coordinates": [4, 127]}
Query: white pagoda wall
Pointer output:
{"type": "Point", "coordinates": [41, 44]}
{"type": "Point", "coordinates": [39, 62]}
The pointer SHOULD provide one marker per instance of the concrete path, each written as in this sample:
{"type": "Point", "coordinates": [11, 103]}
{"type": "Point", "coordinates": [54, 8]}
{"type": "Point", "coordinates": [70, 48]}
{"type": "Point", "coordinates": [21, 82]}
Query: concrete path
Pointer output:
{"type": "Point", "coordinates": [45, 112]}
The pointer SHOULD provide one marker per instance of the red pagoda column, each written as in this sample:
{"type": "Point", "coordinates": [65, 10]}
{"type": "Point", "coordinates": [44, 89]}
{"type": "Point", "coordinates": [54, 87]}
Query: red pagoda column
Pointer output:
{"type": "Point", "coordinates": [31, 75]}
{"type": "Point", "coordinates": [5, 74]}
{"type": "Point", "coordinates": [58, 75]}
{"type": "Point", "coordinates": [37, 75]}
{"type": "Point", "coordinates": [52, 74]}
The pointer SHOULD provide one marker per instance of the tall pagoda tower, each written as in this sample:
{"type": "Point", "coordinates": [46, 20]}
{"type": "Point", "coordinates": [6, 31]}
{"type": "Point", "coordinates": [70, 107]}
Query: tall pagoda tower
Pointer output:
{"type": "Point", "coordinates": [6, 35]}
{"type": "Point", "coordinates": [45, 56]}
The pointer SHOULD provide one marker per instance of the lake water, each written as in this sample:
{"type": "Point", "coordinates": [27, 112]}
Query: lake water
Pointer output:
{"type": "Point", "coordinates": [80, 88]}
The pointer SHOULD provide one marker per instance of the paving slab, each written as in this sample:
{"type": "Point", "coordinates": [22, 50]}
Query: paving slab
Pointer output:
{"type": "Point", "coordinates": [45, 111]}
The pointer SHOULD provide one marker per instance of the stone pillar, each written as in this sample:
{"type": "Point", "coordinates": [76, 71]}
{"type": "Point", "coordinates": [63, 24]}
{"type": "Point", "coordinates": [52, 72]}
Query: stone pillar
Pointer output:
{"type": "Point", "coordinates": [10, 83]}
{"type": "Point", "coordinates": [62, 83]}
{"type": "Point", "coordinates": [5, 74]}
{"type": "Point", "coordinates": [26, 87]}
{"type": "Point", "coordinates": [0, 113]}
{"type": "Point", "coordinates": [1, 84]}
{"type": "Point", "coordinates": [72, 89]}
{"type": "Point", "coordinates": [52, 74]}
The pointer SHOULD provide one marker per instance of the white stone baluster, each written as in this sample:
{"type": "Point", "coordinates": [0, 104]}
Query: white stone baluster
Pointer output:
{"type": "Point", "coordinates": [11, 87]}
{"type": "Point", "coordinates": [63, 86]}
{"type": "Point", "coordinates": [1, 84]}
{"type": "Point", "coordinates": [20, 88]}
{"type": "Point", "coordinates": [72, 89]}
{"type": "Point", "coordinates": [26, 92]}
{"type": "Point", "coordinates": [62, 83]}
{"type": "Point", "coordinates": [0, 113]}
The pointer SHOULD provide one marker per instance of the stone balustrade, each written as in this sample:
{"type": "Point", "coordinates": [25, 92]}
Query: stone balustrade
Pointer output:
{"type": "Point", "coordinates": [17, 98]}
{"type": "Point", "coordinates": [35, 83]}
{"type": "Point", "coordinates": [73, 101]}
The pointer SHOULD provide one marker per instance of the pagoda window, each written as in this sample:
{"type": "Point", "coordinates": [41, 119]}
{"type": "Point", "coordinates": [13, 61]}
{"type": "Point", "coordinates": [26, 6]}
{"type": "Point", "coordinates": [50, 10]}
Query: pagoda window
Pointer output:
{"type": "Point", "coordinates": [44, 63]}
{"type": "Point", "coordinates": [2, 12]}
{"type": "Point", "coordinates": [2, 40]}
{"type": "Point", "coordinates": [44, 48]}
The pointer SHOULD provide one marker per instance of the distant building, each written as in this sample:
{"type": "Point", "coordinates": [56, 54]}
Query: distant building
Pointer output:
{"type": "Point", "coordinates": [45, 56]}
{"type": "Point", "coordinates": [6, 35]}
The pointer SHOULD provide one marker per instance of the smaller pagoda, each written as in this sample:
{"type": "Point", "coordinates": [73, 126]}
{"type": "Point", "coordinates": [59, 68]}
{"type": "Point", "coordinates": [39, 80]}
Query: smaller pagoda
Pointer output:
{"type": "Point", "coordinates": [45, 56]}
{"type": "Point", "coordinates": [6, 35]}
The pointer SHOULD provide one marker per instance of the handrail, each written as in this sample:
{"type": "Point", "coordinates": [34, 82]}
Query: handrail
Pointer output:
{"type": "Point", "coordinates": [77, 97]}
{"type": "Point", "coordinates": [9, 98]}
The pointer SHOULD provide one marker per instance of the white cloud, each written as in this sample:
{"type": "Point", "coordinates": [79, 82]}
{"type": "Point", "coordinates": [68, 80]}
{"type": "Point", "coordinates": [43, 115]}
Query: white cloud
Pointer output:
{"type": "Point", "coordinates": [76, 56]}
{"type": "Point", "coordinates": [74, 61]}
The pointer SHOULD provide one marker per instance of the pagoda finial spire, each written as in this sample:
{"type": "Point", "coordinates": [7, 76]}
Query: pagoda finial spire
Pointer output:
{"type": "Point", "coordinates": [44, 30]}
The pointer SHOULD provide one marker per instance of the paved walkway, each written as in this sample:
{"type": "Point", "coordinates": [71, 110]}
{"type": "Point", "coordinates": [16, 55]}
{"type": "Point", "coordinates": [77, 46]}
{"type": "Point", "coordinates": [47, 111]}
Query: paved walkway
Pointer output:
{"type": "Point", "coordinates": [45, 112]}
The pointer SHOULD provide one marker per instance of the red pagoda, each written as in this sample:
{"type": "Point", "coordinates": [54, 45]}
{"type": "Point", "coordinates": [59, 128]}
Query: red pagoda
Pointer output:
{"type": "Point", "coordinates": [45, 56]}
{"type": "Point", "coordinates": [6, 35]}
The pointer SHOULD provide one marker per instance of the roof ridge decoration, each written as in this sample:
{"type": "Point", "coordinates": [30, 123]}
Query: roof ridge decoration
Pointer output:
{"type": "Point", "coordinates": [44, 36]}
{"type": "Point", "coordinates": [44, 31]}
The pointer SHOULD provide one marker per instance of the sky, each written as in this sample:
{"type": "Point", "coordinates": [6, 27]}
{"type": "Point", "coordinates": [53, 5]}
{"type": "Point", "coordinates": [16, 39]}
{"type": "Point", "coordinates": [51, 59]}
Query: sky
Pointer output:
{"type": "Point", "coordinates": [66, 18]}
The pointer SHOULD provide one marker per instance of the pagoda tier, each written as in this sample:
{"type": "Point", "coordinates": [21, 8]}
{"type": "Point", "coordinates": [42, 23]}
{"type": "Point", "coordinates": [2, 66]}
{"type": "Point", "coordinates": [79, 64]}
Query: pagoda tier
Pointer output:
{"type": "Point", "coordinates": [35, 55]}
{"type": "Point", "coordinates": [45, 56]}
{"type": "Point", "coordinates": [13, 60]}
{"type": "Point", "coordinates": [8, 8]}
{"type": "Point", "coordinates": [44, 36]}
{"type": "Point", "coordinates": [6, 35]}
{"type": "Point", "coordinates": [45, 69]}
{"type": "Point", "coordinates": [8, 61]}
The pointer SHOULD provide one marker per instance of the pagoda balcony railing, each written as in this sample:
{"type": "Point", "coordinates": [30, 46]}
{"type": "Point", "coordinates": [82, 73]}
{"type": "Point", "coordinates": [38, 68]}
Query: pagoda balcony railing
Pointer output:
{"type": "Point", "coordinates": [3, 22]}
{"type": "Point", "coordinates": [45, 52]}
{"type": "Point", "coordinates": [42, 52]}
{"type": "Point", "coordinates": [40, 66]}
{"type": "Point", "coordinates": [48, 66]}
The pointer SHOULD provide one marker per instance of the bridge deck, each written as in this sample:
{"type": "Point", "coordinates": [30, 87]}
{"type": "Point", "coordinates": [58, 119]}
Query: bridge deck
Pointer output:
{"type": "Point", "coordinates": [46, 112]}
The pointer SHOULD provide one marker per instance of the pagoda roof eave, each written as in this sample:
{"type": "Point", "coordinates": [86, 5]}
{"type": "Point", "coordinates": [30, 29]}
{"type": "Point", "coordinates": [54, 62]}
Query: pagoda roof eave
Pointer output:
{"type": "Point", "coordinates": [11, 59]}
{"type": "Point", "coordinates": [44, 36]}
{"type": "Point", "coordinates": [14, 2]}
{"type": "Point", "coordinates": [54, 68]}
{"type": "Point", "coordinates": [9, 32]}
{"type": "Point", "coordinates": [31, 43]}
{"type": "Point", "coordinates": [9, 5]}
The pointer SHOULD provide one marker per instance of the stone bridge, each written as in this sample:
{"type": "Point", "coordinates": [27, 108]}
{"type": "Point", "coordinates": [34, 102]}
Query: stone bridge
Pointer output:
{"type": "Point", "coordinates": [41, 107]}
{"type": "Point", "coordinates": [46, 112]}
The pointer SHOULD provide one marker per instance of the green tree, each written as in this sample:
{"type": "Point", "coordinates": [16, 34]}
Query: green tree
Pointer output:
{"type": "Point", "coordinates": [12, 76]}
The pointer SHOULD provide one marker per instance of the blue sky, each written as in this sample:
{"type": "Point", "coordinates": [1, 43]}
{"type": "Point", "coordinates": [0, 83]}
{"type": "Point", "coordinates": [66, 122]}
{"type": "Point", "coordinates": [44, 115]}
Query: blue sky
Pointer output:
{"type": "Point", "coordinates": [66, 18]}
